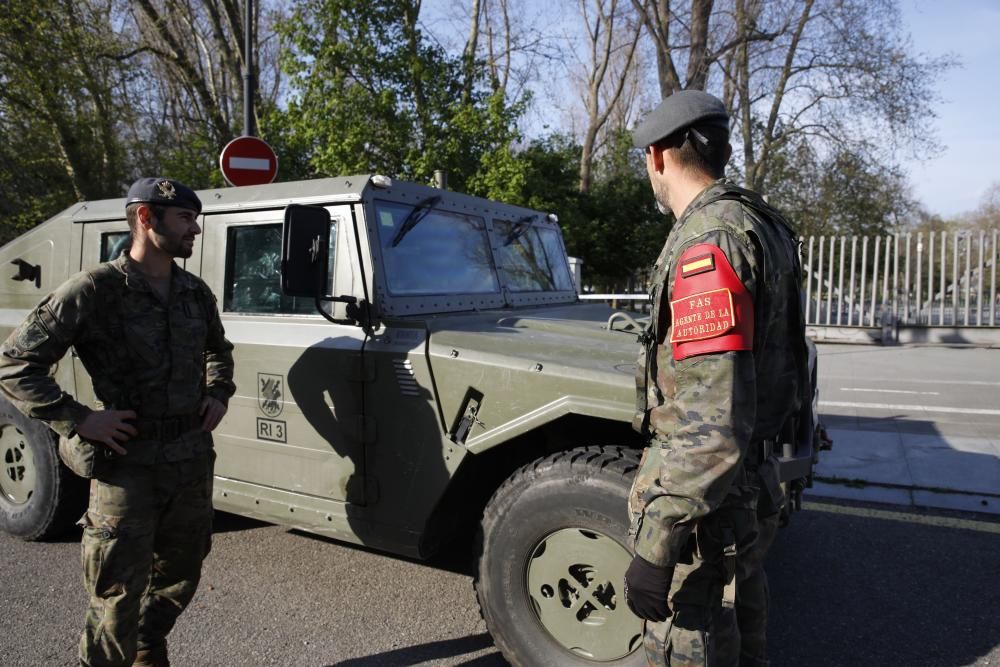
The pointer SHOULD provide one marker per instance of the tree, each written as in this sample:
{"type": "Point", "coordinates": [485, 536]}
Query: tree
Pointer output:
{"type": "Point", "coordinates": [838, 73]}
{"type": "Point", "coordinates": [614, 227]}
{"type": "Point", "coordinates": [838, 76]}
{"type": "Point", "coordinates": [371, 94]}
{"type": "Point", "coordinates": [678, 38]}
{"type": "Point", "coordinates": [611, 50]}
{"type": "Point", "coordinates": [986, 216]}
{"type": "Point", "coordinates": [63, 82]}
{"type": "Point", "coordinates": [193, 103]}
{"type": "Point", "coordinates": [838, 194]}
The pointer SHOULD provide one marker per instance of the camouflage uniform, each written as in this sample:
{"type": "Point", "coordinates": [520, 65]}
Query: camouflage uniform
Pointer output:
{"type": "Point", "coordinates": [148, 525]}
{"type": "Point", "coordinates": [696, 503]}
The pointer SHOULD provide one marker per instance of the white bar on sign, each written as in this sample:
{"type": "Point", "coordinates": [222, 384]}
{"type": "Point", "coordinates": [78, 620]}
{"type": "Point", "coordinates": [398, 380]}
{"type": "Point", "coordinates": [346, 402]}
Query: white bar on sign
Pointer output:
{"type": "Point", "coordinates": [255, 163]}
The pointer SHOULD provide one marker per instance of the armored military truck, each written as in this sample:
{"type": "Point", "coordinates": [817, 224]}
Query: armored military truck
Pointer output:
{"type": "Point", "coordinates": [415, 372]}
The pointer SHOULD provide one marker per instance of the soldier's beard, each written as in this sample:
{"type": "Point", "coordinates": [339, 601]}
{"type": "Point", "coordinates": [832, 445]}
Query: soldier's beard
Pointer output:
{"type": "Point", "coordinates": [660, 195]}
{"type": "Point", "coordinates": [171, 244]}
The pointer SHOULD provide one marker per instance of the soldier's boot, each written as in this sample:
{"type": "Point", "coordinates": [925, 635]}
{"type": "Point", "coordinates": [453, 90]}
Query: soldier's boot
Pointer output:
{"type": "Point", "coordinates": [155, 656]}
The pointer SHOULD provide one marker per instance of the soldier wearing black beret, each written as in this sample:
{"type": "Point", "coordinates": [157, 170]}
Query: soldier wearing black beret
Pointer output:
{"type": "Point", "coordinates": [163, 192]}
{"type": "Point", "coordinates": [149, 334]}
{"type": "Point", "coordinates": [722, 378]}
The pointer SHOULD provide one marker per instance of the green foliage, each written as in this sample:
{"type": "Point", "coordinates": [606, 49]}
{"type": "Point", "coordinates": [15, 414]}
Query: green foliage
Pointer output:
{"type": "Point", "coordinates": [842, 193]}
{"type": "Point", "coordinates": [615, 228]}
{"type": "Point", "coordinates": [620, 229]}
{"type": "Point", "coordinates": [372, 95]}
{"type": "Point", "coordinates": [60, 109]}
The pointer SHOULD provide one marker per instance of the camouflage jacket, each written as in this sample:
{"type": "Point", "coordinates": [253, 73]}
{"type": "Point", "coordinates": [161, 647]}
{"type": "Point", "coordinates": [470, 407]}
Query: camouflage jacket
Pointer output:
{"type": "Point", "coordinates": [159, 359]}
{"type": "Point", "coordinates": [705, 411]}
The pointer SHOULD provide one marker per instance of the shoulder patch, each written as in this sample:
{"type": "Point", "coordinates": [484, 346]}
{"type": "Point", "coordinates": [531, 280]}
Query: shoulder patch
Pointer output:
{"type": "Point", "coordinates": [695, 265]}
{"type": "Point", "coordinates": [710, 308]}
{"type": "Point", "coordinates": [702, 315]}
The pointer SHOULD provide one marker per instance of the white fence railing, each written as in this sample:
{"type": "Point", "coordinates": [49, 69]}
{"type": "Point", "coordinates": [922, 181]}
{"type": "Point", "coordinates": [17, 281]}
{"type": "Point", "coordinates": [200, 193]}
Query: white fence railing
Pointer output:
{"type": "Point", "coordinates": [941, 279]}
{"type": "Point", "coordinates": [933, 279]}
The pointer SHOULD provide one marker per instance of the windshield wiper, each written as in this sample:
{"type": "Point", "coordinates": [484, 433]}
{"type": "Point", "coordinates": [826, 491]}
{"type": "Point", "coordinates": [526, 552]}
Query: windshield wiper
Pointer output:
{"type": "Point", "coordinates": [517, 230]}
{"type": "Point", "coordinates": [418, 213]}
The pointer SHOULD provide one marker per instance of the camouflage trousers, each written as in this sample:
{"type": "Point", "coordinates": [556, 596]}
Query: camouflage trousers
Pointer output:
{"type": "Point", "coordinates": [704, 631]}
{"type": "Point", "coordinates": [145, 534]}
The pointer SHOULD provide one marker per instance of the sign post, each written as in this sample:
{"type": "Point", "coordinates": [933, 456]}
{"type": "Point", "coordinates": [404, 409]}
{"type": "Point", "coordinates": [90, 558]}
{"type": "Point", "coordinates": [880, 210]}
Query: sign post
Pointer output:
{"type": "Point", "coordinates": [248, 161]}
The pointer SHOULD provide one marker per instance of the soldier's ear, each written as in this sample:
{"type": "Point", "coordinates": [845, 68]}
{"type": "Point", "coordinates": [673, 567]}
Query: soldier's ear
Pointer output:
{"type": "Point", "coordinates": [144, 215]}
{"type": "Point", "coordinates": [655, 155]}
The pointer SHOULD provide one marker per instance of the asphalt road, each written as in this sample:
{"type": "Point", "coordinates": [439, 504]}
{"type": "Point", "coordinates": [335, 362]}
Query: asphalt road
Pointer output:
{"type": "Point", "coordinates": [851, 584]}
{"type": "Point", "coordinates": [949, 391]}
{"type": "Point", "coordinates": [848, 588]}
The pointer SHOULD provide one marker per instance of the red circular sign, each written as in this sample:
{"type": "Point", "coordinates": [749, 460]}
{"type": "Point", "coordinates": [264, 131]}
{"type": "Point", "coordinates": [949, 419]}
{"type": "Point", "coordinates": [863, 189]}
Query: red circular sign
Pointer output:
{"type": "Point", "coordinates": [248, 161]}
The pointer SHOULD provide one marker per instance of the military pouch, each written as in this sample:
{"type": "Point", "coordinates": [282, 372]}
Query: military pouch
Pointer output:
{"type": "Point", "coordinates": [83, 457]}
{"type": "Point", "coordinates": [772, 497]}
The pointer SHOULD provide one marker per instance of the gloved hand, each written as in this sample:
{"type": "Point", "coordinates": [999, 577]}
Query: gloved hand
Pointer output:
{"type": "Point", "coordinates": [646, 589]}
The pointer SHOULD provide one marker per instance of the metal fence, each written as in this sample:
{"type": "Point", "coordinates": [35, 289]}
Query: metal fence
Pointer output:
{"type": "Point", "coordinates": [913, 287]}
{"type": "Point", "coordinates": [936, 279]}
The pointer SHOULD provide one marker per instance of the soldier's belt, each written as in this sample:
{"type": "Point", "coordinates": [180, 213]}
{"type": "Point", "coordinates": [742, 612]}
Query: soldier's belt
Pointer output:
{"type": "Point", "coordinates": [166, 428]}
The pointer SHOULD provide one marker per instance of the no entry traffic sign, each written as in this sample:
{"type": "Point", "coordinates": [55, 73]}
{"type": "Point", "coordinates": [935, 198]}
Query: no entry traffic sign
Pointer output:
{"type": "Point", "coordinates": [248, 161]}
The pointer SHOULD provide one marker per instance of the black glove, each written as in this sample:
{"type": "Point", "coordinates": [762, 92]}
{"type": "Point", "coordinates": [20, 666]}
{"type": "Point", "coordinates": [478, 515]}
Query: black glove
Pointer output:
{"type": "Point", "coordinates": [646, 589]}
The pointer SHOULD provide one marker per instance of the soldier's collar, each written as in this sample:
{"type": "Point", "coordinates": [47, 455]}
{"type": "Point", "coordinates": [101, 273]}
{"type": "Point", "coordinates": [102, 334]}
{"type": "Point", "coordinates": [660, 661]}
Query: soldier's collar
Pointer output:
{"type": "Point", "coordinates": [134, 277]}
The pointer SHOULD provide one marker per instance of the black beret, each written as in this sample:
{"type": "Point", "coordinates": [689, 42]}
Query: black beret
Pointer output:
{"type": "Point", "coordinates": [677, 112]}
{"type": "Point", "coordinates": [163, 192]}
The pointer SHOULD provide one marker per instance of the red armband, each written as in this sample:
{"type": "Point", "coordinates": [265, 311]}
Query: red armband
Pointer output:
{"type": "Point", "coordinates": [710, 308]}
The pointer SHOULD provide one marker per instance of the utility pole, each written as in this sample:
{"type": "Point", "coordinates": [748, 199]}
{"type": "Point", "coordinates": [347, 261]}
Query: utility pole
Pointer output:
{"type": "Point", "coordinates": [249, 83]}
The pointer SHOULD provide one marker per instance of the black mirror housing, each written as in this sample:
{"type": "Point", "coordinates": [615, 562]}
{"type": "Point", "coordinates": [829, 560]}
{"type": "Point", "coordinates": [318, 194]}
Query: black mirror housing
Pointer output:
{"type": "Point", "coordinates": [305, 247]}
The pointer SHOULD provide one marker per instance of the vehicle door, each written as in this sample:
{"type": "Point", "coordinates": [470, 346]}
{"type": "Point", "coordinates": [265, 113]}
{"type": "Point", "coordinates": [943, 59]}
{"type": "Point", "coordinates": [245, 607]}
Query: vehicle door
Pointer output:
{"type": "Point", "coordinates": [295, 422]}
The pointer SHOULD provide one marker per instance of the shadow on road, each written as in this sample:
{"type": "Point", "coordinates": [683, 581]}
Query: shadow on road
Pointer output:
{"type": "Point", "coordinates": [412, 655]}
{"type": "Point", "coordinates": [224, 522]}
{"type": "Point", "coordinates": [848, 590]}
{"type": "Point", "coordinates": [456, 557]}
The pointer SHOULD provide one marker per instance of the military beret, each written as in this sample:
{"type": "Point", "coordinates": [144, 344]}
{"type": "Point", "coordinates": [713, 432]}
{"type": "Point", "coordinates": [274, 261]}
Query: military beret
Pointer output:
{"type": "Point", "coordinates": [163, 192]}
{"type": "Point", "coordinates": [677, 112]}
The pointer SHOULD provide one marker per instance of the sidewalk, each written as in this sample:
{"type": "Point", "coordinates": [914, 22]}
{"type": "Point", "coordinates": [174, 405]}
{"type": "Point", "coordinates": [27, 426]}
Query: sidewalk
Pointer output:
{"type": "Point", "coordinates": [894, 463]}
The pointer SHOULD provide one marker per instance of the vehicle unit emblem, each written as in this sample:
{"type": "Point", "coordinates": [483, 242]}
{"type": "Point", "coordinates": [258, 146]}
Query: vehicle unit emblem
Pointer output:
{"type": "Point", "coordinates": [270, 394]}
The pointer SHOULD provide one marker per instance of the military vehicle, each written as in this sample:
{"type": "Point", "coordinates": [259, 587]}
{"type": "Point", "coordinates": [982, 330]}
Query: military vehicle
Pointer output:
{"type": "Point", "coordinates": [449, 387]}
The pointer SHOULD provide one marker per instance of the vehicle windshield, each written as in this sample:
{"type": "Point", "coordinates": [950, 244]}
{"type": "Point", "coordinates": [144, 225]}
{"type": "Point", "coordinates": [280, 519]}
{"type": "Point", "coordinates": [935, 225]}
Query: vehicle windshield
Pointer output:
{"type": "Point", "coordinates": [446, 253]}
{"type": "Point", "coordinates": [531, 257]}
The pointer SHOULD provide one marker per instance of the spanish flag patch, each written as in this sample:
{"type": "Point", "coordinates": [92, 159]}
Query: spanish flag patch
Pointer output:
{"type": "Point", "coordinates": [697, 265]}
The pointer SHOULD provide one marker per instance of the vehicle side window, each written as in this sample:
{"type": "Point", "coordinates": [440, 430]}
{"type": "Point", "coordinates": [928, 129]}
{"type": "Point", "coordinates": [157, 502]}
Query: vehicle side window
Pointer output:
{"type": "Point", "coordinates": [253, 271]}
{"type": "Point", "coordinates": [114, 244]}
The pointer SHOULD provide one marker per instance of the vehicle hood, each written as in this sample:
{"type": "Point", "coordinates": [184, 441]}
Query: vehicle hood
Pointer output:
{"type": "Point", "coordinates": [534, 364]}
{"type": "Point", "coordinates": [571, 336]}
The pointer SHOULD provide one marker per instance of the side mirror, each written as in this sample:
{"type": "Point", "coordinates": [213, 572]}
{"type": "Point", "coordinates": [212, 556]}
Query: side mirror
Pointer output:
{"type": "Point", "coordinates": [305, 247]}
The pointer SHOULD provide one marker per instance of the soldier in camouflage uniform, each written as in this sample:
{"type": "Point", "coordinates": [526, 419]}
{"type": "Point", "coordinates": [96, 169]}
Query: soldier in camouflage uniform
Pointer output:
{"type": "Point", "coordinates": [721, 381]}
{"type": "Point", "coordinates": [149, 335]}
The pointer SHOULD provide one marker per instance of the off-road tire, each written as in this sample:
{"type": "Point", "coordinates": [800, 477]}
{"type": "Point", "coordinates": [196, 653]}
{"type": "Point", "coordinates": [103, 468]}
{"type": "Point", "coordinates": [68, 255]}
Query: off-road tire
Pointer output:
{"type": "Point", "coordinates": [39, 497]}
{"type": "Point", "coordinates": [576, 503]}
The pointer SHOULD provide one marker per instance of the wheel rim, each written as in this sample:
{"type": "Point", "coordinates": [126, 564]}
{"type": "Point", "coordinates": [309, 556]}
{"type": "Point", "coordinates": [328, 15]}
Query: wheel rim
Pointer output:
{"type": "Point", "coordinates": [17, 474]}
{"type": "Point", "coordinates": [575, 585]}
